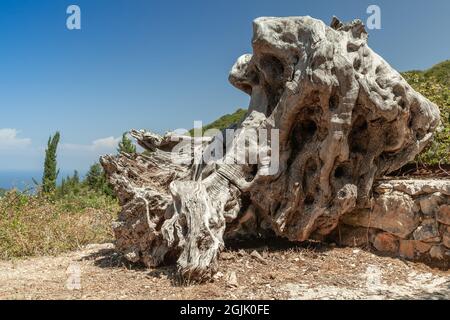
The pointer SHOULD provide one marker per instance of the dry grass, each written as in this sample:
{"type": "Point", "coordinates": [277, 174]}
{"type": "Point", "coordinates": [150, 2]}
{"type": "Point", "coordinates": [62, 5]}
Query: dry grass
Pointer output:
{"type": "Point", "coordinates": [38, 225]}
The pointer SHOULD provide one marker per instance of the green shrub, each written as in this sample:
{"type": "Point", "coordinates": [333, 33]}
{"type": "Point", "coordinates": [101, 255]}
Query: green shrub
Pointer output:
{"type": "Point", "coordinates": [434, 84]}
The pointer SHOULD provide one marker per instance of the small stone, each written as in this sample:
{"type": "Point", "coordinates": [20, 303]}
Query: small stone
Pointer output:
{"type": "Point", "coordinates": [427, 231]}
{"type": "Point", "coordinates": [437, 252]}
{"type": "Point", "coordinates": [132, 255]}
{"type": "Point", "coordinates": [385, 242]}
{"type": "Point", "coordinates": [242, 253]}
{"type": "Point", "coordinates": [226, 256]}
{"type": "Point", "coordinates": [255, 255]}
{"type": "Point", "coordinates": [443, 214]}
{"type": "Point", "coordinates": [383, 188]}
{"type": "Point", "coordinates": [232, 279]}
{"type": "Point", "coordinates": [406, 249]}
{"type": "Point", "coordinates": [218, 275]}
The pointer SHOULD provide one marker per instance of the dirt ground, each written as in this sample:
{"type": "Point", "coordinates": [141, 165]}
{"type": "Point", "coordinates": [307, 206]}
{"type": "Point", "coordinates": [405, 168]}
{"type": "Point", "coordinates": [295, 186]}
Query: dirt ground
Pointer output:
{"type": "Point", "coordinates": [261, 272]}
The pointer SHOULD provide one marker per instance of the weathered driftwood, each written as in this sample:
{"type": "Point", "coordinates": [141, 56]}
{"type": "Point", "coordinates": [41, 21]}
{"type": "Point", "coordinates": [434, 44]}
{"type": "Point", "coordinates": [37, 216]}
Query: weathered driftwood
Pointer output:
{"type": "Point", "coordinates": [344, 116]}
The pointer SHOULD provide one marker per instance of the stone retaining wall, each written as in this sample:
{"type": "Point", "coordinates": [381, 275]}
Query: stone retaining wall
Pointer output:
{"type": "Point", "coordinates": [408, 218]}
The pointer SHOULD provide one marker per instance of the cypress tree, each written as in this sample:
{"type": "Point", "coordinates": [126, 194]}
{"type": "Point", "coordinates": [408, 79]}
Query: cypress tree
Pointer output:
{"type": "Point", "coordinates": [76, 178]}
{"type": "Point", "coordinates": [63, 187]}
{"type": "Point", "coordinates": [126, 145]}
{"type": "Point", "coordinates": [96, 180]}
{"type": "Point", "coordinates": [50, 164]}
{"type": "Point", "coordinates": [95, 177]}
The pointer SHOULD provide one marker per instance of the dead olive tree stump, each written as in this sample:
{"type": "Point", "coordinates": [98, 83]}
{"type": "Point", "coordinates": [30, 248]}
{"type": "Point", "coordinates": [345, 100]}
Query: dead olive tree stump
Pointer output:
{"type": "Point", "coordinates": [345, 118]}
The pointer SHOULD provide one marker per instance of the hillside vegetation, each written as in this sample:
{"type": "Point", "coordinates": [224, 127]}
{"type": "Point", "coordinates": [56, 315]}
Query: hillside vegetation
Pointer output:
{"type": "Point", "coordinates": [224, 121]}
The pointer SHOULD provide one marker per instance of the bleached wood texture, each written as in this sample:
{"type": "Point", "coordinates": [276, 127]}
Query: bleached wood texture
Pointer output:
{"type": "Point", "coordinates": [345, 118]}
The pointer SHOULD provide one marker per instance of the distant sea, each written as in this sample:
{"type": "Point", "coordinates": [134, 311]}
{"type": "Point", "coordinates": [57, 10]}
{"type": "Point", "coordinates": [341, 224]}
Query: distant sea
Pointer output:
{"type": "Point", "coordinates": [23, 180]}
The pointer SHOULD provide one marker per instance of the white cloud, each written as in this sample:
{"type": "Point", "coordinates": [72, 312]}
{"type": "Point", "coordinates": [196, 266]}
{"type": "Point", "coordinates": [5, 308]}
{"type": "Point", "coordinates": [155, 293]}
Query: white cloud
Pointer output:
{"type": "Point", "coordinates": [99, 145]}
{"type": "Point", "coordinates": [81, 156]}
{"type": "Point", "coordinates": [9, 139]}
{"type": "Point", "coordinates": [17, 153]}
{"type": "Point", "coordinates": [109, 142]}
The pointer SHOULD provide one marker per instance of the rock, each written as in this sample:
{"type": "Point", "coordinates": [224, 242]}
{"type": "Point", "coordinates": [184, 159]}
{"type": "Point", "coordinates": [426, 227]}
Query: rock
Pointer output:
{"type": "Point", "coordinates": [226, 256]}
{"type": "Point", "coordinates": [385, 242]}
{"type": "Point", "coordinates": [446, 239]}
{"type": "Point", "coordinates": [409, 248]}
{"type": "Point", "coordinates": [416, 187]}
{"type": "Point", "coordinates": [447, 255]}
{"type": "Point", "coordinates": [430, 203]}
{"type": "Point", "coordinates": [393, 213]}
{"type": "Point", "coordinates": [255, 255]}
{"type": "Point", "coordinates": [422, 247]}
{"type": "Point", "coordinates": [353, 236]}
{"type": "Point", "coordinates": [132, 255]}
{"type": "Point", "coordinates": [406, 249]}
{"type": "Point", "coordinates": [383, 188]}
{"type": "Point", "coordinates": [232, 280]}
{"type": "Point", "coordinates": [443, 214]}
{"type": "Point", "coordinates": [437, 252]}
{"type": "Point", "coordinates": [427, 231]}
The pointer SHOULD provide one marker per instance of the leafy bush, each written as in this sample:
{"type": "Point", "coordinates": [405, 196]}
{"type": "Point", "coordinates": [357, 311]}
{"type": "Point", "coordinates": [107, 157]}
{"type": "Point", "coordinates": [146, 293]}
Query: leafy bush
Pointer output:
{"type": "Point", "coordinates": [96, 180]}
{"type": "Point", "coordinates": [47, 224]}
{"type": "Point", "coordinates": [434, 84]}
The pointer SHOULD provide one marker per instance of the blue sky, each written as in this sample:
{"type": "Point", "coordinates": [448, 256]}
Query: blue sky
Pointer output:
{"type": "Point", "coordinates": [158, 65]}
